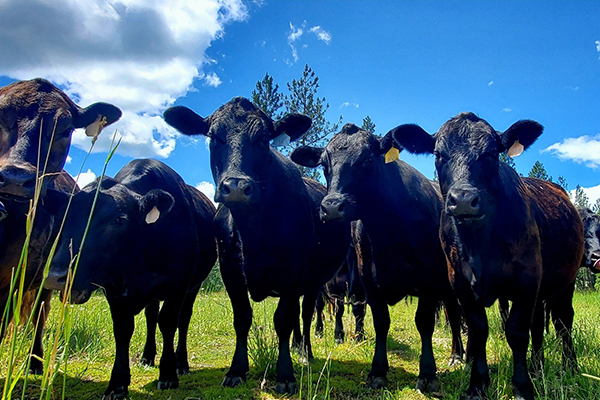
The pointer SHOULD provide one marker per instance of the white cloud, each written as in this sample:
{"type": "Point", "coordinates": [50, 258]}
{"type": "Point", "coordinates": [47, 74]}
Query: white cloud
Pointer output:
{"type": "Point", "coordinates": [84, 178]}
{"type": "Point", "coordinates": [583, 150]}
{"type": "Point", "coordinates": [506, 109]}
{"type": "Point", "coordinates": [212, 79]}
{"type": "Point", "coordinates": [491, 83]}
{"type": "Point", "coordinates": [348, 104]}
{"type": "Point", "coordinates": [593, 193]}
{"type": "Point", "coordinates": [598, 45]}
{"type": "Point", "coordinates": [69, 160]}
{"type": "Point", "coordinates": [208, 189]}
{"type": "Point", "coordinates": [138, 55]}
{"type": "Point", "coordinates": [321, 33]}
{"type": "Point", "coordinates": [296, 32]}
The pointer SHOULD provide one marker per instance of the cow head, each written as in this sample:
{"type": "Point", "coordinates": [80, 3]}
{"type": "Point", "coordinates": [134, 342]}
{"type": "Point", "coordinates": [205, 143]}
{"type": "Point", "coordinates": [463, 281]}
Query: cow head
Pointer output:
{"type": "Point", "coordinates": [467, 150]}
{"type": "Point", "coordinates": [240, 153]}
{"type": "Point", "coordinates": [352, 162]}
{"type": "Point", "coordinates": [591, 229]}
{"type": "Point", "coordinates": [120, 223]}
{"type": "Point", "coordinates": [36, 122]}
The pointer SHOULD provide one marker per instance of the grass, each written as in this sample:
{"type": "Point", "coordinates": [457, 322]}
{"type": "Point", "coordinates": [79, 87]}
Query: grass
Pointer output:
{"type": "Point", "coordinates": [339, 371]}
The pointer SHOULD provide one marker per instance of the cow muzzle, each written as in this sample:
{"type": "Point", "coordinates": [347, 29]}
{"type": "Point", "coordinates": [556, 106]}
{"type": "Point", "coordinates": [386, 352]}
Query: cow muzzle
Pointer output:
{"type": "Point", "coordinates": [237, 191]}
{"type": "Point", "coordinates": [55, 280]}
{"type": "Point", "coordinates": [17, 183]}
{"type": "Point", "coordinates": [463, 203]}
{"type": "Point", "coordinates": [333, 208]}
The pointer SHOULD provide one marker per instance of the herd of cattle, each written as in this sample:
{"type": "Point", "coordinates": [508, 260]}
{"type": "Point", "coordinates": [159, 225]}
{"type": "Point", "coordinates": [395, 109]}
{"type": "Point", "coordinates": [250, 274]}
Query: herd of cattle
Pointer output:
{"type": "Point", "coordinates": [481, 234]}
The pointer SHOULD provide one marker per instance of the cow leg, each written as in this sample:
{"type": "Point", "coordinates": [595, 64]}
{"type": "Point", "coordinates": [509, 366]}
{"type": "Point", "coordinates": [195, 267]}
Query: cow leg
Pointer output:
{"type": "Point", "coordinates": [40, 313]}
{"type": "Point", "coordinates": [381, 323]}
{"type": "Point", "coordinates": [319, 307]}
{"type": "Point", "coordinates": [504, 310]}
{"type": "Point", "coordinates": [359, 310]}
{"type": "Point", "coordinates": [339, 323]}
{"type": "Point", "coordinates": [537, 338]}
{"type": "Point", "coordinates": [151, 313]}
{"type": "Point", "coordinates": [425, 321]}
{"type": "Point", "coordinates": [562, 318]}
{"type": "Point", "coordinates": [478, 333]}
{"type": "Point", "coordinates": [120, 378]}
{"type": "Point", "coordinates": [242, 320]}
{"type": "Point", "coordinates": [308, 307]}
{"type": "Point", "coordinates": [518, 325]}
{"type": "Point", "coordinates": [297, 337]}
{"type": "Point", "coordinates": [453, 313]}
{"type": "Point", "coordinates": [287, 311]}
{"type": "Point", "coordinates": [181, 354]}
{"type": "Point", "coordinates": [168, 318]}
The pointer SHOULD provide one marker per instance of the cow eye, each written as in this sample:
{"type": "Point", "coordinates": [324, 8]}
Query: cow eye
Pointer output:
{"type": "Point", "coordinates": [120, 220]}
{"type": "Point", "coordinates": [440, 157]}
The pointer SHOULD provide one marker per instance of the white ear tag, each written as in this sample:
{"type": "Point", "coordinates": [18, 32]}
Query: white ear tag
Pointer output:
{"type": "Point", "coordinates": [152, 216]}
{"type": "Point", "coordinates": [515, 150]}
{"type": "Point", "coordinates": [94, 129]}
{"type": "Point", "coordinates": [281, 140]}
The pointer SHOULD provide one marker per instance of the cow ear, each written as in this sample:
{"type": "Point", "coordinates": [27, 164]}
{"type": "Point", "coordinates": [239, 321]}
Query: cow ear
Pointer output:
{"type": "Point", "coordinates": [156, 204]}
{"type": "Point", "coordinates": [95, 117]}
{"type": "Point", "coordinates": [307, 156]}
{"type": "Point", "coordinates": [519, 136]}
{"type": "Point", "coordinates": [389, 147]}
{"type": "Point", "coordinates": [186, 121]}
{"type": "Point", "coordinates": [293, 125]}
{"type": "Point", "coordinates": [413, 138]}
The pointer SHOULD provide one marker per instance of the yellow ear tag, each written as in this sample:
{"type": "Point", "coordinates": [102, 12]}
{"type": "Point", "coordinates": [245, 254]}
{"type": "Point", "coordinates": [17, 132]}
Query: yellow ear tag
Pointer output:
{"type": "Point", "coordinates": [152, 216]}
{"type": "Point", "coordinates": [515, 150]}
{"type": "Point", "coordinates": [393, 154]}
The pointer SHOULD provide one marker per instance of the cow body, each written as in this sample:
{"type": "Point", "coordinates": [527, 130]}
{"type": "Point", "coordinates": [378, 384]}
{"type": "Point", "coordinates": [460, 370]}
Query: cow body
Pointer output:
{"type": "Point", "coordinates": [271, 242]}
{"type": "Point", "coordinates": [150, 239]}
{"type": "Point", "coordinates": [397, 238]}
{"type": "Point", "coordinates": [506, 237]}
{"type": "Point", "coordinates": [36, 121]}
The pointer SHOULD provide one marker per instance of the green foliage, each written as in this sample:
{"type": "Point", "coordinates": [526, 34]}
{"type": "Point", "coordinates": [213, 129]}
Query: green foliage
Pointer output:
{"type": "Point", "coordinates": [368, 125]}
{"type": "Point", "coordinates": [562, 182]}
{"type": "Point", "coordinates": [267, 97]}
{"type": "Point", "coordinates": [538, 171]}
{"type": "Point", "coordinates": [214, 281]}
{"type": "Point", "coordinates": [509, 160]}
{"type": "Point", "coordinates": [581, 199]}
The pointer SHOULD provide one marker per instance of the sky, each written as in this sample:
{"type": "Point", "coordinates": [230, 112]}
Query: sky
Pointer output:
{"type": "Point", "coordinates": [395, 61]}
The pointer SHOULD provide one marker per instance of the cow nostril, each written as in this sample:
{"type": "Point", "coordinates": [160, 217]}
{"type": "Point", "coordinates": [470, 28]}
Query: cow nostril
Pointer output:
{"type": "Point", "coordinates": [341, 207]}
{"type": "Point", "coordinates": [248, 190]}
{"type": "Point", "coordinates": [323, 209]}
{"type": "Point", "coordinates": [475, 202]}
{"type": "Point", "coordinates": [226, 189]}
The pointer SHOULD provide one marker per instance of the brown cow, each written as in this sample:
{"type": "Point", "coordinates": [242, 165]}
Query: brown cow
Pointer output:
{"type": "Point", "coordinates": [36, 121]}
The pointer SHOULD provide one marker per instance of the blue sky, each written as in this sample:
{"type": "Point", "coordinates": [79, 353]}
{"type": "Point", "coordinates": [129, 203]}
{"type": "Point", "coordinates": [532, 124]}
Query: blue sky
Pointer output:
{"type": "Point", "coordinates": [396, 61]}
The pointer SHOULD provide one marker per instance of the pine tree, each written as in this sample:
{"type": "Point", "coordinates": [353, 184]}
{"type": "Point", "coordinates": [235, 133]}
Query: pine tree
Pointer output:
{"type": "Point", "coordinates": [509, 160]}
{"type": "Point", "coordinates": [368, 125]}
{"type": "Point", "coordinates": [581, 199]}
{"type": "Point", "coordinates": [267, 97]}
{"type": "Point", "coordinates": [538, 171]}
{"type": "Point", "coordinates": [562, 181]}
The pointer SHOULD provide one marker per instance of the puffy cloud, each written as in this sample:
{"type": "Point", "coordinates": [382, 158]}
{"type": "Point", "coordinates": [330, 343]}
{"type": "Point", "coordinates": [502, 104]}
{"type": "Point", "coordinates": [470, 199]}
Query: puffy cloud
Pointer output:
{"type": "Point", "coordinates": [598, 45]}
{"type": "Point", "coordinates": [138, 55]}
{"type": "Point", "coordinates": [593, 193]}
{"type": "Point", "coordinates": [506, 109]}
{"type": "Point", "coordinates": [348, 104]}
{"type": "Point", "coordinates": [321, 33]}
{"type": "Point", "coordinates": [491, 83]}
{"type": "Point", "coordinates": [208, 189]}
{"type": "Point", "coordinates": [583, 150]}
{"type": "Point", "coordinates": [84, 178]}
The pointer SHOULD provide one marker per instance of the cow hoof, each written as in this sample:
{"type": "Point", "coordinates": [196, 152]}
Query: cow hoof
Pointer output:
{"type": "Point", "coordinates": [455, 360]}
{"type": "Point", "coordinates": [285, 388]}
{"type": "Point", "coordinates": [183, 371]}
{"type": "Point", "coordinates": [518, 395]}
{"type": "Point", "coordinates": [36, 370]}
{"type": "Point", "coordinates": [148, 362]}
{"type": "Point", "coordinates": [376, 382]}
{"type": "Point", "coordinates": [339, 340]}
{"type": "Point", "coordinates": [232, 381]}
{"type": "Point", "coordinates": [164, 385]}
{"type": "Point", "coordinates": [432, 387]}
{"type": "Point", "coordinates": [319, 333]}
{"type": "Point", "coordinates": [359, 338]}
{"type": "Point", "coordinates": [118, 394]}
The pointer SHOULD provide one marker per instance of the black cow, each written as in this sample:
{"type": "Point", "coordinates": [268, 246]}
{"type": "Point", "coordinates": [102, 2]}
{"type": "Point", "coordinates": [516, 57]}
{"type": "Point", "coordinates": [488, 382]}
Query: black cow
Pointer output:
{"type": "Point", "coordinates": [271, 242]}
{"type": "Point", "coordinates": [591, 226]}
{"type": "Point", "coordinates": [505, 236]}
{"type": "Point", "coordinates": [345, 286]}
{"type": "Point", "coordinates": [36, 121]}
{"type": "Point", "coordinates": [150, 238]}
{"type": "Point", "coordinates": [399, 245]}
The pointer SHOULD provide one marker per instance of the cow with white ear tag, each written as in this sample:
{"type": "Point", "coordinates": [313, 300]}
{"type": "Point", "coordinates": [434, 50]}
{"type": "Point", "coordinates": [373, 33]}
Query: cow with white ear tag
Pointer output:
{"type": "Point", "coordinates": [150, 239]}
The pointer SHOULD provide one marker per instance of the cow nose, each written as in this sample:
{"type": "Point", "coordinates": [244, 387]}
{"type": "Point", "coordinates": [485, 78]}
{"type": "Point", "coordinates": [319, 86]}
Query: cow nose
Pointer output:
{"type": "Point", "coordinates": [236, 190]}
{"type": "Point", "coordinates": [17, 181]}
{"type": "Point", "coordinates": [462, 202]}
{"type": "Point", "coordinates": [332, 208]}
{"type": "Point", "coordinates": [55, 280]}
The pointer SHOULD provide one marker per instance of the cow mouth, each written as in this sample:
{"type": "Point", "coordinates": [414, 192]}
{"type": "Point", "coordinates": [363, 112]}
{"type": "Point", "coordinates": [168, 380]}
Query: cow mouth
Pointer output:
{"type": "Point", "coordinates": [80, 296]}
{"type": "Point", "coordinates": [468, 219]}
{"type": "Point", "coordinates": [8, 197]}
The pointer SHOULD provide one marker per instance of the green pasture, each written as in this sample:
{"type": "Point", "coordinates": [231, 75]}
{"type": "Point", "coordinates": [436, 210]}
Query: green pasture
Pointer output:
{"type": "Point", "coordinates": [339, 371]}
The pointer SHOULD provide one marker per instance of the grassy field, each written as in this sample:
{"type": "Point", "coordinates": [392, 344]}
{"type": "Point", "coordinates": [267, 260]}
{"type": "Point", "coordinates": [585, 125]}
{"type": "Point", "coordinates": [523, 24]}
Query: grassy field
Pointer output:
{"type": "Point", "coordinates": [339, 371]}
